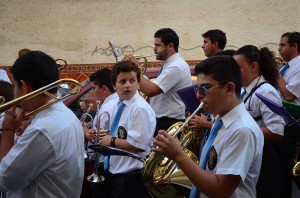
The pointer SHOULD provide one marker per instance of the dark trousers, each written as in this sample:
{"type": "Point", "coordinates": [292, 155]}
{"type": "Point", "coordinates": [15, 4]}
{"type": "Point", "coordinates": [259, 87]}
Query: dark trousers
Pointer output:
{"type": "Point", "coordinates": [290, 141]}
{"type": "Point", "coordinates": [268, 185]}
{"type": "Point", "coordinates": [164, 123]}
{"type": "Point", "coordinates": [128, 185]}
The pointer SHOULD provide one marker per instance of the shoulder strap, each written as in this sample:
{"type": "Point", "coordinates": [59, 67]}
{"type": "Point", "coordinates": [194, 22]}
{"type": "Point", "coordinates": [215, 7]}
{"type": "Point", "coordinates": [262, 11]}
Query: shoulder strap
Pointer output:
{"type": "Point", "coordinates": [253, 90]}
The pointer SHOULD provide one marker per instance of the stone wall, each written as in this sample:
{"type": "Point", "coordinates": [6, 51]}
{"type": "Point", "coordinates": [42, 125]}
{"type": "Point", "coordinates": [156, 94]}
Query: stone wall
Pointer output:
{"type": "Point", "coordinates": [78, 30]}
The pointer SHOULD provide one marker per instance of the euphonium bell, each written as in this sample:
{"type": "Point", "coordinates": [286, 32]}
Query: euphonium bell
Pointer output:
{"type": "Point", "coordinates": [161, 171]}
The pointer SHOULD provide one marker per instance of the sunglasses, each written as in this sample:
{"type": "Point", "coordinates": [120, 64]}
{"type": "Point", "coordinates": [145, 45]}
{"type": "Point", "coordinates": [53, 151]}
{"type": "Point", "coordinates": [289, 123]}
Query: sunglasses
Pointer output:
{"type": "Point", "coordinates": [203, 90]}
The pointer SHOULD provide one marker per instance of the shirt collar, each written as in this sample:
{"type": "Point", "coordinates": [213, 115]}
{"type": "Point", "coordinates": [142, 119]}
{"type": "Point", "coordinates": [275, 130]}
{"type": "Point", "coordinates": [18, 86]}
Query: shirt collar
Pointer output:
{"type": "Point", "coordinates": [128, 102]}
{"type": "Point", "coordinates": [231, 116]}
{"type": "Point", "coordinates": [171, 58]}
{"type": "Point", "coordinates": [294, 61]}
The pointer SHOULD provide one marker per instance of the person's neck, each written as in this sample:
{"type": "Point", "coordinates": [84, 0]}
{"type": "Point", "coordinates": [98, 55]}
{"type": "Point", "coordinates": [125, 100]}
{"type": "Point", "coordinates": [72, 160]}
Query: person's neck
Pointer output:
{"type": "Point", "coordinates": [35, 102]}
{"type": "Point", "coordinates": [231, 104]}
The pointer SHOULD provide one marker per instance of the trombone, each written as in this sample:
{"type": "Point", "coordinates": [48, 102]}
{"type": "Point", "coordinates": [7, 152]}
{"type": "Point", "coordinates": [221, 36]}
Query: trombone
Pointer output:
{"type": "Point", "coordinates": [44, 90]}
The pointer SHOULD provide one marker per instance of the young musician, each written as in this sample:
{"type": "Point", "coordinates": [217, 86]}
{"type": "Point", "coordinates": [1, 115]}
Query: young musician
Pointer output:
{"type": "Point", "coordinates": [259, 75]}
{"type": "Point", "coordinates": [230, 162]}
{"type": "Point", "coordinates": [133, 132]}
{"type": "Point", "coordinates": [103, 91]}
{"type": "Point", "coordinates": [48, 160]}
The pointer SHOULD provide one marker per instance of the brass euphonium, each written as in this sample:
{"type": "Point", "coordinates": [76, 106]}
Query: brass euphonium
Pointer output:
{"type": "Point", "coordinates": [160, 171]}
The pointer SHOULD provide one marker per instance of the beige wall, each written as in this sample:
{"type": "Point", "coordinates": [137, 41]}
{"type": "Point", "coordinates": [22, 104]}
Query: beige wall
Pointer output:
{"type": "Point", "coordinates": [73, 29]}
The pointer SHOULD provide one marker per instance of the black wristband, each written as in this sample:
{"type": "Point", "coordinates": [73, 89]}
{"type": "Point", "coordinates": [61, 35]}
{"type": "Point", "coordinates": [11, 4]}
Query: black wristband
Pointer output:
{"type": "Point", "coordinates": [112, 142]}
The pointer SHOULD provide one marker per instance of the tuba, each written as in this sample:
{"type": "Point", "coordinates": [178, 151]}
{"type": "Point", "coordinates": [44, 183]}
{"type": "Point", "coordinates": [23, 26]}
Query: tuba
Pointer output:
{"type": "Point", "coordinates": [159, 171]}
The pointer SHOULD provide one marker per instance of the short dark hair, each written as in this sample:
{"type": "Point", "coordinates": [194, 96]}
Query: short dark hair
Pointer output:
{"type": "Point", "coordinates": [167, 36]}
{"type": "Point", "coordinates": [228, 52]}
{"type": "Point", "coordinates": [6, 90]}
{"type": "Point", "coordinates": [216, 35]}
{"type": "Point", "coordinates": [124, 66]}
{"type": "Point", "coordinates": [223, 69]}
{"type": "Point", "coordinates": [36, 68]}
{"type": "Point", "coordinates": [264, 58]}
{"type": "Point", "coordinates": [23, 51]}
{"type": "Point", "coordinates": [102, 77]}
{"type": "Point", "coordinates": [293, 37]}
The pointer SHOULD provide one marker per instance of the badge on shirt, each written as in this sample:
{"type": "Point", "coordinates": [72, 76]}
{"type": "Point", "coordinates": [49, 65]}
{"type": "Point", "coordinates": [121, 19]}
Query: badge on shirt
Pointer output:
{"type": "Point", "coordinates": [212, 158]}
{"type": "Point", "coordinates": [122, 133]}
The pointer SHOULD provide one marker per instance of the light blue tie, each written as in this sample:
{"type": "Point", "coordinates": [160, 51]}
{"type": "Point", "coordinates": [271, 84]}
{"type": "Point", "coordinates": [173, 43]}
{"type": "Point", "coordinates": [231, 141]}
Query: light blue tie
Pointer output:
{"type": "Point", "coordinates": [243, 94]}
{"type": "Point", "coordinates": [284, 68]}
{"type": "Point", "coordinates": [204, 157]}
{"type": "Point", "coordinates": [161, 68]}
{"type": "Point", "coordinates": [113, 129]}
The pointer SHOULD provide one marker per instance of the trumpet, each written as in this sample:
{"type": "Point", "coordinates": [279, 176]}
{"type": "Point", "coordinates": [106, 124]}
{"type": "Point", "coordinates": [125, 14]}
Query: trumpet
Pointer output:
{"type": "Point", "coordinates": [87, 115]}
{"type": "Point", "coordinates": [95, 177]}
{"type": "Point", "coordinates": [43, 90]}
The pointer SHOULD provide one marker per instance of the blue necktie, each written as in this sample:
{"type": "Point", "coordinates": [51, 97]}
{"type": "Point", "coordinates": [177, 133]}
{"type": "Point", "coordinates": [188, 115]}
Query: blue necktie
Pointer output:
{"type": "Point", "coordinates": [204, 157]}
{"type": "Point", "coordinates": [161, 68]}
{"type": "Point", "coordinates": [113, 129]}
{"type": "Point", "coordinates": [284, 68]}
{"type": "Point", "coordinates": [243, 94]}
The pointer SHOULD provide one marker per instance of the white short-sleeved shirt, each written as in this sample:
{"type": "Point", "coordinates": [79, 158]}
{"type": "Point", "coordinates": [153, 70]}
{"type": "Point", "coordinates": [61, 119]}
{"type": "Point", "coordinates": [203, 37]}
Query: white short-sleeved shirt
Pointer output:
{"type": "Point", "coordinates": [237, 150]}
{"type": "Point", "coordinates": [292, 78]}
{"type": "Point", "coordinates": [175, 75]}
{"type": "Point", "coordinates": [137, 125]}
{"type": "Point", "coordinates": [4, 76]}
{"type": "Point", "coordinates": [48, 160]}
{"type": "Point", "coordinates": [256, 107]}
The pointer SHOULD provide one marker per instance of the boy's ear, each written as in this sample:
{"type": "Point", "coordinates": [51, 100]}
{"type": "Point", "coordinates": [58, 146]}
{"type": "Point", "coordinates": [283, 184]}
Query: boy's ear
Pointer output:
{"type": "Point", "coordinates": [230, 88]}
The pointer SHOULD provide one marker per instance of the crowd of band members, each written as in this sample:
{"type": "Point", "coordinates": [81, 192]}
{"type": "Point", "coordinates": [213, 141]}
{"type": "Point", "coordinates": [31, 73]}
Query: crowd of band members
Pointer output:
{"type": "Point", "coordinates": [251, 155]}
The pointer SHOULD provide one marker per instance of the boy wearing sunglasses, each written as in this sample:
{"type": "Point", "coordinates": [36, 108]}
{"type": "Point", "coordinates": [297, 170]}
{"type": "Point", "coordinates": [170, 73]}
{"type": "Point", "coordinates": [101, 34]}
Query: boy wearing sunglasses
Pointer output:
{"type": "Point", "coordinates": [231, 158]}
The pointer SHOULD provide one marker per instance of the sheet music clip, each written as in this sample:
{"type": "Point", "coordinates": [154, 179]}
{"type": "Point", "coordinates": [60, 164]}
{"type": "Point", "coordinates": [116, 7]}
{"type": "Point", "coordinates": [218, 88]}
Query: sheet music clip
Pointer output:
{"type": "Point", "coordinates": [279, 110]}
{"type": "Point", "coordinates": [108, 151]}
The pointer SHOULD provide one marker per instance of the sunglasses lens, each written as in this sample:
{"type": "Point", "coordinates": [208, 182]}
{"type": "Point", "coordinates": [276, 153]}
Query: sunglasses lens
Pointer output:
{"type": "Point", "coordinates": [202, 90]}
